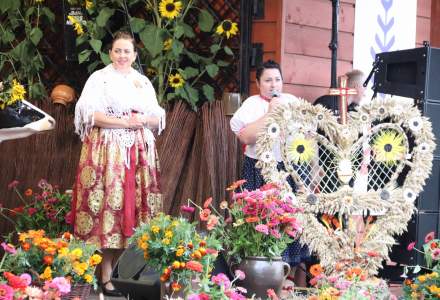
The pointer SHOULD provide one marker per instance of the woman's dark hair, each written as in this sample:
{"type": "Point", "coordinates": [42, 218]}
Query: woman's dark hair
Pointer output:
{"type": "Point", "coordinates": [124, 35]}
{"type": "Point", "coordinates": [269, 64]}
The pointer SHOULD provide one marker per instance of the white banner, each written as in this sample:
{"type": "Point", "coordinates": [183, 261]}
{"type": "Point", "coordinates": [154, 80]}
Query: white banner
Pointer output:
{"type": "Point", "coordinates": [382, 26]}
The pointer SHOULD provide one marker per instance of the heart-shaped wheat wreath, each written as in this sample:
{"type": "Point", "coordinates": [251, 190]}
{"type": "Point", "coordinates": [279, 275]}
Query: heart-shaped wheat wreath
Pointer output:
{"type": "Point", "coordinates": [357, 183]}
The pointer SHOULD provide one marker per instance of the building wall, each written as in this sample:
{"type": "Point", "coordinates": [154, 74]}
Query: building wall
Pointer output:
{"type": "Point", "coordinates": [305, 30]}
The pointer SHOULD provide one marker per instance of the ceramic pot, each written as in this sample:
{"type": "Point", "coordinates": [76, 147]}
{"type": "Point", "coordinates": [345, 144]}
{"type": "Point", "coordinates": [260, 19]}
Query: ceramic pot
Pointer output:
{"type": "Point", "coordinates": [262, 274]}
{"type": "Point", "coordinates": [62, 94]}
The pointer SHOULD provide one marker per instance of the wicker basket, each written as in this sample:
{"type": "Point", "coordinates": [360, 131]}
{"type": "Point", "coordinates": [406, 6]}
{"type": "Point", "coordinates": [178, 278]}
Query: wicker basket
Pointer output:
{"type": "Point", "coordinates": [78, 291]}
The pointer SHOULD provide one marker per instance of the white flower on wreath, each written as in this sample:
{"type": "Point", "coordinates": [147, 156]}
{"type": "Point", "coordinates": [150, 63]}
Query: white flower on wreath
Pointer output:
{"type": "Point", "coordinates": [287, 115]}
{"type": "Point", "coordinates": [415, 124]}
{"type": "Point", "coordinates": [290, 197]}
{"type": "Point", "coordinates": [267, 157]}
{"type": "Point", "coordinates": [424, 148]}
{"type": "Point", "coordinates": [273, 130]}
{"type": "Point", "coordinates": [409, 195]}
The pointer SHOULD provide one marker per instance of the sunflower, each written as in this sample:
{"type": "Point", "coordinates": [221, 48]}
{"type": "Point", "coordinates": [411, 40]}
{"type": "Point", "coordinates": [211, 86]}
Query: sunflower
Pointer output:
{"type": "Point", "coordinates": [18, 91]}
{"type": "Point", "coordinates": [228, 28]}
{"type": "Point", "coordinates": [300, 150]}
{"type": "Point", "coordinates": [388, 147]}
{"type": "Point", "coordinates": [176, 80]}
{"type": "Point", "coordinates": [76, 25]}
{"type": "Point", "coordinates": [170, 8]}
{"type": "Point", "coordinates": [167, 44]}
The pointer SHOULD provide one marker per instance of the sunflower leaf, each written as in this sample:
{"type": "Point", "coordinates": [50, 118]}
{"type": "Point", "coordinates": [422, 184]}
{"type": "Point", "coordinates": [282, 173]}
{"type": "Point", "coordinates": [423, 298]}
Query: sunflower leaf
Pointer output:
{"type": "Point", "coordinates": [84, 55]}
{"type": "Point", "coordinates": [152, 38]}
{"type": "Point", "coordinates": [137, 24]}
{"type": "Point", "coordinates": [96, 45]}
{"type": "Point", "coordinates": [189, 72]}
{"type": "Point", "coordinates": [228, 50]}
{"type": "Point", "coordinates": [208, 91]}
{"type": "Point", "coordinates": [104, 15]}
{"type": "Point", "coordinates": [206, 21]}
{"type": "Point", "coordinates": [212, 70]}
{"type": "Point", "coordinates": [179, 31]}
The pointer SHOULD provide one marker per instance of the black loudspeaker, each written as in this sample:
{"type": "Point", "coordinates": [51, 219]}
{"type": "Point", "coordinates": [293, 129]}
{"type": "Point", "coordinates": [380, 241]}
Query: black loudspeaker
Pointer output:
{"type": "Point", "coordinates": [136, 281]}
{"type": "Point", "coordinates": [133, 278]}
{"type": "Point", "coordinates": [70, 35]}
{"type": "Point", "coordinates": [409, 73]}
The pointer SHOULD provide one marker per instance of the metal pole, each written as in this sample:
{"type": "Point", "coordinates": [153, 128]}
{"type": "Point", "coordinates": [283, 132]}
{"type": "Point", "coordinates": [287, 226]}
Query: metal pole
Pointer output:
{"type": "Point", "coordinates": [334, 46]}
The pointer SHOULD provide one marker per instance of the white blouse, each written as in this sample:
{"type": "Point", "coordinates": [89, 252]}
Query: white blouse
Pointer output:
{"type": "Point", "coordinates": [251, 110]}
{"type": "Point", "coordinates": [118, 95]}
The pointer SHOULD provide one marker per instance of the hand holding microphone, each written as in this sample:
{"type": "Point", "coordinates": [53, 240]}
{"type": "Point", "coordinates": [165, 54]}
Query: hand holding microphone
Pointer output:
{"type": "Point", "coordinates": [275, 101]}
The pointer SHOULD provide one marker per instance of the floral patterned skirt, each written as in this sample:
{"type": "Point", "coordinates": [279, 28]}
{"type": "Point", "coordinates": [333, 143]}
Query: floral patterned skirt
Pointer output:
{"type": "Point", "coordinates": [110, 199]}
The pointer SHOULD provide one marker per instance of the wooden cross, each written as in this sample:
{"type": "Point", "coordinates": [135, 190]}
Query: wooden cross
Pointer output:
{"type": "Point", "coordinates": [342, 92]}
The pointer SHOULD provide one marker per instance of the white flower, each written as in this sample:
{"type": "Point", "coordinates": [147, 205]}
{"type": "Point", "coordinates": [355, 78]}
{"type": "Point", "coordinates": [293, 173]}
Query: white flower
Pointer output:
{"type": "Point", "coordinates": [382, 110]}
{"type": "Point", "coordinates": [365, 118]}
{"type": "Point", "coordinates": [273, 130]}
{"type": "Point", "coordinates": [267, 157]}
{"type": "Point", "coordinates": [293, 127]}
{"type": "Point", "coordinates": [415, 124]}
{"type": "Point", "coordinates": [424, 148]}
{"type": "Point", "coordinates": [409, 195]}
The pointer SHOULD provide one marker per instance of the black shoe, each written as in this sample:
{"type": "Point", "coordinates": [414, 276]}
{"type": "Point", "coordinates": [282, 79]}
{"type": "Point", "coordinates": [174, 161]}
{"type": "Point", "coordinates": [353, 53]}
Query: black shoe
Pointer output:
{"type": "Point", "coordinates": [110, 293]}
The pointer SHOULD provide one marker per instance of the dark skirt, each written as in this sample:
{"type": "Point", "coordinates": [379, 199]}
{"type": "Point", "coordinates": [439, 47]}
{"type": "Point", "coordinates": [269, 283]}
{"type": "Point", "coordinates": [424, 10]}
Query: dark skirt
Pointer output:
{"type": "Point", "coordinates": [294, 253]}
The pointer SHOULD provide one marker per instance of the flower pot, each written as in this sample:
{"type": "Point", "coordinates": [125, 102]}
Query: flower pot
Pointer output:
{"type": "Point", "coordinates": [262, 274]}
{"type": "Point", "coordinates": [62, 94]}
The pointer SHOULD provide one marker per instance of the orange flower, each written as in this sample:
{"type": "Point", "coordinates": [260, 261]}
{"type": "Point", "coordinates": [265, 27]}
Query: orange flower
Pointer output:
{"type": "Point", "coordinates": [176, 286]}
{"type": "Point", "coordinates": [252, 219]}
{"type": "Point", "coordinates": [204, 214]}
{"type": "Point", "coordinates": [207, 202]}
{"type": "Point", "coordinates": [212, 222]}
{"type": "Point", "coordinates": [194, 266]}
{"type": "Point", "coordinates": [336, 223]}
{"type": "Point", "coordinates": [433, 245]}
{"type": "Point", "coordinates": [202, 243]}
{"type": "Point", "coordinates": [48, 260]}
{"type": "Point", "coordinates": [236, 185]}
{"type": "Point", "coordinates": [26, 246]}
{"type": "Point", "coordinates": [316, 270]}
{"type": "Point", "coordinates": [28, 192]}
{"type": "Point", "coordinates": [67, 236]}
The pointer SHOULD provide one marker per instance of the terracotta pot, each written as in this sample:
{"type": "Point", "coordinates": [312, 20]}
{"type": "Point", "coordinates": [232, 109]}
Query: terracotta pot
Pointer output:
{"type": "Point", "coordinates": [262, 274]}
{"type": "Point", "coordinates": [62, 94]}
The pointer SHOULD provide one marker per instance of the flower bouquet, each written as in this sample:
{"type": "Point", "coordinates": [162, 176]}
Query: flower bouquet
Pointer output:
{"type": "Point", "coordinates": [174, 248]}
{"type": "Point", "coordinates": [45, 259]}
{"type": "Point", "coordinates": [47, 209]}
{"type": "Point", "coordinates": [255, 223]}
{"type": "Point", "coordinates": [427, 284]}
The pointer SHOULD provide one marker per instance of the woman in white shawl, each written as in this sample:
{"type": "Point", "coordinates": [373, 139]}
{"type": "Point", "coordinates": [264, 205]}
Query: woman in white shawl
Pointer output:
{"type": "Point", "coordinates": [117, 184]}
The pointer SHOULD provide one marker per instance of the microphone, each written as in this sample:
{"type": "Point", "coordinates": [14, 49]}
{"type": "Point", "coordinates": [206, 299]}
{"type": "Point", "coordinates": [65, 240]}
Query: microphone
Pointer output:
{"type": "Point", "coordinates": [275, 94]}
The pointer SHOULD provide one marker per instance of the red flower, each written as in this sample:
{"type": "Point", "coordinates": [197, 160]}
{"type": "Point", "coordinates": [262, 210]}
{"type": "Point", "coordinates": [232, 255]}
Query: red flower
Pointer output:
{"type": "Point", "coordinates": [252, 219]}
{"type": "Point", "coordinates": [207, 202]}
{"type": "Point", "coordinates": [433, 245]}
{"type": "Point", "coordinates": [194, 266]}
{"type": "Point", "coordinates": [15, 281]}
{"type": "Point", "coordinates": [204, 296]}
{"type": "Point", "coordinates": [31, 211]}
{"type": "Point", "coordinates": [429, 237]}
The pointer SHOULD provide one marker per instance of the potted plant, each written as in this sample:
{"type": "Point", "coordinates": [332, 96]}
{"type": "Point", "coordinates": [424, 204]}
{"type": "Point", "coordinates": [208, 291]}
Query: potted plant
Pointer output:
{"type": "Point", "coordinates": [256, 228]}
{"type": "Point", "coordinates": [176, 250]}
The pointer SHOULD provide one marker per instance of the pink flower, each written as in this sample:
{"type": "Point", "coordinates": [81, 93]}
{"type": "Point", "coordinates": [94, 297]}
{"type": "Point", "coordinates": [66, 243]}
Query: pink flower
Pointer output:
{"type": "Point", "coordinates": [31, 211]}
{"type": "Point", "coordinates": [429, 237]}
{"type": "Point", "coordinates": [13, 184]}
{"type": "Point", "coordinates": [6, 292]}
{"type": "Point", "coordinates": [207, 202]}
{"type": "Point", "coordinates": [241, 289]}
{"type": "Point", "coordinates": [221, 280]}
{"type": "Point", "coordinates": [26, 278]}
{"type": "Point", "coordinates": [8, 248]}
{"type": "Point", "coordinates": [59, 283]}
{"type": "Point", "coordinates": [212, 222]}
{"type": "Point", "coordinates": [272, 295]}
{"type": "Point", "coordinates": [435, 254]}
{"type": "Point", "coordinates": [204, 214]}
{"type": "Point", "coordinates": [187, 209]}
{"type": "Point", "coordinates": [275, 233]}
{"type": "Point", "coordinates": [239, 274]}
{"type": "Point", "coordinates": [262, 228]}
{"type": "Point", "coordinates": [411, 246]}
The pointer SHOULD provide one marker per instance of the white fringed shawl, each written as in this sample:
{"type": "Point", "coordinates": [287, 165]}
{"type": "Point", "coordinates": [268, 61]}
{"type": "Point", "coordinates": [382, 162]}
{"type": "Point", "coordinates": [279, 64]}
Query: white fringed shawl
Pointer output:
{"type": "Point", "coordinates": [118, 95]}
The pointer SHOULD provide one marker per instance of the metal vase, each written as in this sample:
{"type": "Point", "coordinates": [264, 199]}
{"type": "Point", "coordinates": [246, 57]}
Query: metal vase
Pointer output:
{"type": "Point", "coordinates": [262, 274]}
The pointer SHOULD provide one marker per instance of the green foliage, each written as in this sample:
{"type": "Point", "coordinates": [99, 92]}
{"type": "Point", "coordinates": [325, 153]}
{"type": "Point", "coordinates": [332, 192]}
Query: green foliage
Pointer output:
{"type": "Point", "coordinates": [21, 32]}
{"type": "Point", "coordinates": [166, 45]}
